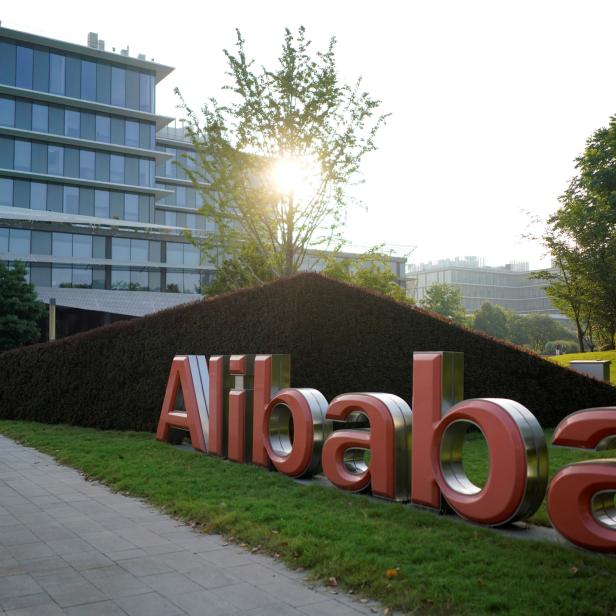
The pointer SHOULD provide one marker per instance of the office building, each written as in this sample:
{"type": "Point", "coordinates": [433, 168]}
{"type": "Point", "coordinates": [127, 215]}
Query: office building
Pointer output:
{"type": "Point", "coordinates": [89, 196]}
{"type": "Point", "coordinates": [509, 286]}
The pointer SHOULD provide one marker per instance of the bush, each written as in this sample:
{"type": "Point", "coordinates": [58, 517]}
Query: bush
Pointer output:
{"type": "Point", "coordinates": [566, 346]}
{"type": "Point", "coordinates": [341, 339]}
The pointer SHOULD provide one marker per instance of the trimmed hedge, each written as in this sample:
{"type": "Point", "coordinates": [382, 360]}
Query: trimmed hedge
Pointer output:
{"type": "Point", "coordinates": [341, 338]}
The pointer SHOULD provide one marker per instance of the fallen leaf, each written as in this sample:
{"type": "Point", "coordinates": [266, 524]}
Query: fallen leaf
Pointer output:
{"type": "Point", "coordinates": [363, 600]}
{"type": "Point", "coordinates": [274, 532]}
{"type": "Point", "coordinates": [386, 611]}
{"type": "Point", "coordinates": [573, 570]}
{"type": "Point", "coordinates": [332, 581]}
{"type": "Point", "coordinates": [391, 573]}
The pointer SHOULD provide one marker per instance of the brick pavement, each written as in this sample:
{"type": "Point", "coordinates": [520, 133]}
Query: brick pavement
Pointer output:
{"type": "Point", "coordinates": [69, 546]}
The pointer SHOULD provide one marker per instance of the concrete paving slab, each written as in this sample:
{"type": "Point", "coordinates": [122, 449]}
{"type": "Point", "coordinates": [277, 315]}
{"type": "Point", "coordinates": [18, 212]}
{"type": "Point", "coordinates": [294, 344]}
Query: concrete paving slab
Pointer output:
{"type": "Point", "coordinates": [73, 547]}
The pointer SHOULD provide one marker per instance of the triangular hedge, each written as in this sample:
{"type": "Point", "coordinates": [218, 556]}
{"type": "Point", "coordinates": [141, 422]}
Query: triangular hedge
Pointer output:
{"type": "Point", "coordinates": [341, 339]}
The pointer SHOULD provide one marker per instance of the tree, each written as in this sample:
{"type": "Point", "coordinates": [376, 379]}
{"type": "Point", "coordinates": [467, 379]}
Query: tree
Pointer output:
{"type": "Point", "coordinates": [492, 320]}
{"type": "Point", "coordinates": [20, 311]}
{"type": "Point", "coordinates": [445, 299]}
{"type": "Point", "coordinates": [370, 270]}
{"type": "Point", "coordinates": [581, 237]}
{"type": "Point", "coordinates": [274, 165]}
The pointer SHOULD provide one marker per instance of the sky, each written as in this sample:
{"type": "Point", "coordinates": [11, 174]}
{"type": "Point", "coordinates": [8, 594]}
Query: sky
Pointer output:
{"type": "Point", "coordinates": [490, 101]}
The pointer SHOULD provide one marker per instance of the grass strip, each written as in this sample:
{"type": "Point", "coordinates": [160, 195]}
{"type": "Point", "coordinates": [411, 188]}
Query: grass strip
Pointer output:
{"type": "Point", "coordinates": [442, 565]}
{"type": "Point", "coordinates": [564, 360]}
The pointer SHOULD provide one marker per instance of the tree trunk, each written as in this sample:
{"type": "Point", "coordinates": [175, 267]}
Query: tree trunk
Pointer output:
{"type": "Point", "coordinates": [289, 248]}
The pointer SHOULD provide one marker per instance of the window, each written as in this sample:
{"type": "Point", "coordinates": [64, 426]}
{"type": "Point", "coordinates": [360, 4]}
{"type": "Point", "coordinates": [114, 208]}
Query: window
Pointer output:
{"type": "Point", "coordinates": [23, 155]}
{"type": "Point", "coordinates": [23, 75]}
{"type": "Point", "coordinates": [145, 136]}
{"type": "Point", "coordinates": [82, 277]}
{"type": "Point", "coordinates": [139, 250]}
{"type": "Point", "coordinates": [55, 159]}
{"type": "Point", "coordinates": [82, 246]}
{"type": "Point", "coordinates": [191, 255]}
{"type": "Point", "coordinates": [132, 89]}
{"type": "Point", "coordinates": [138, 280]}
{"type": "Point", "coordinates": [40, 75]}
{"type": "Point", "coordinates": [71, 162]}
{"type": "Point", "coordinates": [6, 191]}
{"type": "Point", "coordinates": [144, 172]}
{"type": "Point", "coordinates": [55, 194]}
{"type": "Point", "coordinates": [132, 133]}
{"type": "Point", "coordinates": [62, 245]}
{"type": "Point", "coordinates": [40, 118]}
{"type": "Point", "coordinates": [192, 283]}
{"type": "Point", "coordinates": [86, 201]}
{"type": "Point", "coordinates": [7, 111]}
{"type": "Point", "coordinates": [181, 196]}
{"type": "Point", "coordinates": [154, 252]}
{"type": "Point", "coordinates": [39, 157]}
{"type": "Point", "coordinates": [131, 167]}
{"type": "Point", "coordinates": [102, 166]}
{"type": "Point", "coordinates": [56, 73]}
{"type": "Point", "coordinates": [98, 277]}
{"type": "Point", "coordinates": [101, 203]}
{"type": "Point", "coordinates": [154, 280]}
{"type": "Point", "coordinates": [99, 247]}
{"type": "Point", "coordinates": [7, 63]}
{"type": "Point", "coordinates": [23, 114]}
{"type": "Point", "coordinates": [4, 235]}
{"type": "Point", "coordinates": [88, 80]}
{"type": "Point", "coordinates": [72, 123]}
{"type": "Point", "coordinates": [174, 253]}
{"type": "Point", "coordinates": [38, 196]}
{"type": "Point", "coordinates": [175, 283]}
{"type": "Point", "coordinates": [21, 193]}
{"type": "Point", "coordinates": [120, 278]}
{"type": "Point", "coordinates": [56, 120]}
{"type": "Point", "coordinates": [131, 207]}
{"type": "Point", "coordinates": [61, 276]}
{"type": "Point", "coordinates": [86, 164]}
{"type": "Point", "coordinates": [170, 219]}
{"type": "Point", "coordinates": [117, 131]}
{"type": "Point", "coordinates": [116, 205]}
{"type": "Point", "coordinates": [145, 92]}
{"type": "Point", "coordinates": [103, 128]}
{"type": "Point", "coordinates": [41, 243]}
{"type": "Point", "coordinates": [19, 241]}
{"type": "Point", "coordinates": [117, 168]}
{"type": "Point", "coordinates": [7, 148]}
{"type": "Point", "coordinates": [120, 248]}
{"type": "Point", "coordinates": [40, 275]}
{"type": "Point", "coordinates": [103, 83]}
{"type": "Point", "coordinates": [73, 77]}
{"type": "Point", "coordinates": [118, 86]}
{"type": "Point", "coordinates": [88, 125]}
{"type": "Point", "coordinates": [71, 200]}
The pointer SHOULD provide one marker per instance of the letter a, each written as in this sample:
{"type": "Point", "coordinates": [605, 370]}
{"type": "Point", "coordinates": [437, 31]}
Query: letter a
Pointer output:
{"type": "Point", "coordinates": [189, 372]}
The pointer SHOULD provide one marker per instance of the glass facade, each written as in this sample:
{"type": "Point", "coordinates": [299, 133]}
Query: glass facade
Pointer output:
{"type": "Point", "coordinates": [44, 70]}
{"type": "Point", "coordinates": [92, 165]}
{"type": "Point", "coordinates": [91, 178]}
{"type": "Point", "coordinates": [17, 112]}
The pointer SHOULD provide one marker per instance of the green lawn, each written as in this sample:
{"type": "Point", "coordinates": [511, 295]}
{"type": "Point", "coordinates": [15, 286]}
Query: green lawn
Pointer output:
{"type": "Point", "coordinates": [443, 565]}
{"type": "Point", "coordinates": [564, 360]}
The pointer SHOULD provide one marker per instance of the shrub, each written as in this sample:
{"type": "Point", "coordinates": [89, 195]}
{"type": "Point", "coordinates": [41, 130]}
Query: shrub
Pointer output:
{"type": "Point", "coordinates": [341, 338]}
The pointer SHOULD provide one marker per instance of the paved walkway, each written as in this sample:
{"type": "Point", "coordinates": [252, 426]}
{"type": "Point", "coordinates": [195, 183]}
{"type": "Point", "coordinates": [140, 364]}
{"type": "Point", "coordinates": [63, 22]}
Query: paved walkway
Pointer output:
{"type": "Point", "coordinates": [69, 546]}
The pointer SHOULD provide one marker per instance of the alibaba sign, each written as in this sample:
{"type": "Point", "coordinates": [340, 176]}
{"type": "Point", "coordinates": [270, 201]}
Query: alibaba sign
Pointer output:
{"type": "Point", "coordinates": [242, 407]}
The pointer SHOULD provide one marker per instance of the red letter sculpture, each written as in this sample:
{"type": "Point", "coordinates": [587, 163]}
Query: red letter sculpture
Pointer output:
{"type": "Point", "coordinates": [581, 496]}
{"type": "Point", "coordinates": [293, 429]}
{"type": "Point", "coordinates": [518, 454]}
{"type": "Point", "coordinates": [189, 372]}
{"type": "Point", "coordinates": [388, 439]}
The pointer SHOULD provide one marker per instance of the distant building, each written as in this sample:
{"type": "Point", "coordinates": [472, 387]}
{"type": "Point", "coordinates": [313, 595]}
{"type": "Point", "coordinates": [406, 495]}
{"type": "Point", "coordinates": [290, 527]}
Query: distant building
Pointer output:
{"type": "Point", "coordinates": [509, 286]}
